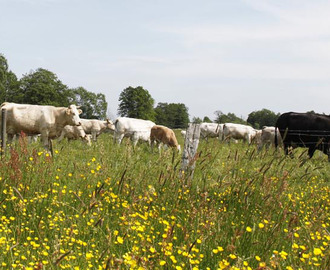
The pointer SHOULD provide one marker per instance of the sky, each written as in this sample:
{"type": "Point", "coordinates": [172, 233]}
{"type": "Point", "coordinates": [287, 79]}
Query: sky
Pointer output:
{"type": "Point", "coordinates": [234, 56]}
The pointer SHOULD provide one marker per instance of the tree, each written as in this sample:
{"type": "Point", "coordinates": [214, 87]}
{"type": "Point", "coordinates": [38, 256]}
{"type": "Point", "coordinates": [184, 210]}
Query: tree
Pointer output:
{"type": "Point", "coordinates": [196, 120]}
{"type": "Point", "coordinates": [94, 106]}
{"type": "Point", "coordinates": [9, 85]}
{"type": "Point", "coordinates": [173, 115]}
{"type": "Point", "coordinates": [42, 87]}
{"type": "Point", "coordinates": [207, 120]}
{"type": "Point", "coordinates": [228, 118]}
{"type": "Point", "coordinates": [261, 118]}
{"type": "Point", "coordinates": [136, 103]}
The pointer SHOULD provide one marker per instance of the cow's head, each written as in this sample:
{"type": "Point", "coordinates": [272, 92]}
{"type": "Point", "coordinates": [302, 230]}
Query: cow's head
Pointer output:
{"type": "Point", "coordinates": [88, 139]}
{"type": "Point", "coordinates": [110, 125]}
{"type": "Point", "coordinates": [73, 112]}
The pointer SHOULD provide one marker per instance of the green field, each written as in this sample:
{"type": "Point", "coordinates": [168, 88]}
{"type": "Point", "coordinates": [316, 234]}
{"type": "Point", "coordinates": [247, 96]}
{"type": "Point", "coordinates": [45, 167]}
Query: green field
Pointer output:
{"type": "Point", "coordinates": [114, 207]}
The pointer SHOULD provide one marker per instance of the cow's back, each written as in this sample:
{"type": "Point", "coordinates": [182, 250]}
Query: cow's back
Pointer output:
{"type": "Point", "coordinates": [308, 125]}
{"type": "Point", "coordinates": [128, 125]}
{"type": "Point", "coordinates": [30, 119]}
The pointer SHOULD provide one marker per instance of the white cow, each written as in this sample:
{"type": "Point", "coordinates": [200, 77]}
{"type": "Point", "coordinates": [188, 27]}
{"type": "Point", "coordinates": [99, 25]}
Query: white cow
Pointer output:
{"type": "Point", "coordinates": [183, 133]}
{"type": "Point", "coordinates": [211, 130]}
{"type": "Point", "coordinates": [239, 132]}
{"type": "Point", "coordinates": [268, 137]}
{"type": "Point", "coordinates": [96, 127]}
{"type": "Point", "coordinates": [74, 133]}
{"type": "Point", "coordinates": [257, 137]}
{"type": "Point", "coordinates": [135, 129]}
{"type": "Point", "coordinates": [37, 119]}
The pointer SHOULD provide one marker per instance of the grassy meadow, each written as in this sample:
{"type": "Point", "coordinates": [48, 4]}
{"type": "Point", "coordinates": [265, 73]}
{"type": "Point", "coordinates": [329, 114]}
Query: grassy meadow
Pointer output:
{"type": "Point", "coordinates": [114, 207]}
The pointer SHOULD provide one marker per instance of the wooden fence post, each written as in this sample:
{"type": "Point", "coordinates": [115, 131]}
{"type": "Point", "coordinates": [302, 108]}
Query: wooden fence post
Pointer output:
{"type": "Point", "coordinates": [190, 150]}
{"type": "Point", "coordinates": [3, 131]}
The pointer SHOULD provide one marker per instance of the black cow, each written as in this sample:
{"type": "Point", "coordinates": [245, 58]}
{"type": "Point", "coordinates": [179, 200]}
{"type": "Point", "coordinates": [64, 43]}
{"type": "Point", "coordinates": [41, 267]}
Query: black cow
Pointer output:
{"type": "Point", "coordinates": [309, 130]}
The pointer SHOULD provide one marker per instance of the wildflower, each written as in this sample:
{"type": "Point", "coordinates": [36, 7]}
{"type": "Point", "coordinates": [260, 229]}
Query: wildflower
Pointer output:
{"type": "Point", "coordinates": [232, 256]}
{"type": "Point", "coordinates": [257, 258]}
{"type": "Point", "coordinates": [120, 240]}
{"type": "Point", "coordinates": [89, 256]}
{"type": "Point", "coordinates": [162, 262]}
{"type": "Point", "coordinates": [283, 254]}
{"type": "Point", "coordinates": [223, 264]}
{"type": "Point", "coordinates": [173, 259]}
{"type": "Point", "coordinates": [248, 229]}
{"type": "Point", "coordinates": [317, 251]}
{"type": "Point", "coordinates": [261, 225]}
{"type": "Point", "coordinates": [294, 245]}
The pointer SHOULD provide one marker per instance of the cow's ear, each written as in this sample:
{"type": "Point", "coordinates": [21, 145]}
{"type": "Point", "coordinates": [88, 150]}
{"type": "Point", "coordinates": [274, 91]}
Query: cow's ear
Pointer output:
{"type": "Point", "coordinates": [80, 111]}
{"type": "Point", "coordinates": [68, 111]}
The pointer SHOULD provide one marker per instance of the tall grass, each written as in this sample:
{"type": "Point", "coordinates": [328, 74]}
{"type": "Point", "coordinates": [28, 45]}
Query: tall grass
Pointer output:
{"type": "Point", "coordinates": [115, 207]}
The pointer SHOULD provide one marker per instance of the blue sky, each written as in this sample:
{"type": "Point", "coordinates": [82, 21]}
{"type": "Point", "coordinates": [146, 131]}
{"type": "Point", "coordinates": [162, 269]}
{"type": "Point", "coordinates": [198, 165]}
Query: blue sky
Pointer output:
{"type": "Point", "coordinates": [234, 56]}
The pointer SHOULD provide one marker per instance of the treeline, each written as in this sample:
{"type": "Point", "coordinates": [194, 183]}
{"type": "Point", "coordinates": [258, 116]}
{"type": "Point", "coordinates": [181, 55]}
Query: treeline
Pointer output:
{"type": "Point", "coordinates": [42, 87]}
{"type": "Point", "coordinates": [138, 103]}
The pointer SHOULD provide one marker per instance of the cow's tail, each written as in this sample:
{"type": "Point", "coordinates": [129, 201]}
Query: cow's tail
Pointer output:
{"type": "Point", "coordinates": [115, 123]}
{"type": "Point", "coordinates": [276, 139]}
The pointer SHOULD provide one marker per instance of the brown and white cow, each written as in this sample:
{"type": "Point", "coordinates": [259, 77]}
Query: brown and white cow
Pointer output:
{"type": "Point", "coordinates": [96, 127]}
{"type": "Point", "coordinates": [48, 121]}
{"type": "Point", "coordinates": [163, 135]}
{"type": "Point", "coordinates": [75, 133]}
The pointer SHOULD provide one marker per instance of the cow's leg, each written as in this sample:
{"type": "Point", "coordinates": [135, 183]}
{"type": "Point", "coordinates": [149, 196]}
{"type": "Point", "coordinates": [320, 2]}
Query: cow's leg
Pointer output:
{"type": "Point", "coordinates": [10, 138]}
{"type": "Point", "coordinates": [94, 136]}
{"type": "Point", "coordinates": [311, 151]}
{"type": "Point", "coordinates": [61, 136]}
{"type": "Point", "coordinates": [45, 140]}
{"type": "Point", "coordinates": [160, 145]}
{"type": "Point", "coordinates": [118, 137]}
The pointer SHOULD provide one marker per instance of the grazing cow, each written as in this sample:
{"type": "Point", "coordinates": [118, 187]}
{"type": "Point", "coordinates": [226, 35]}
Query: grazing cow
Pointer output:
{"type": "Point", "coordinates": [183, 133]}
{"type": "Point", "coordinates": [268, 137]}
{"type": "Point", "coordinates": [96, 127]}
{"type": "Point", "coordinates": [135, 129]}
{"type": "Point", "coordinates": [239, 132]}
{"type": "Point", "coordinates": [164, 135]}
{"type": "Point", "coordinates": [309, 130]}
{"type": "Point", "coordinates": [211, 130]}
{"type": "Point", "coordinates": [74, 133]}
{"type": "Point", "coordinates": [37, 119]}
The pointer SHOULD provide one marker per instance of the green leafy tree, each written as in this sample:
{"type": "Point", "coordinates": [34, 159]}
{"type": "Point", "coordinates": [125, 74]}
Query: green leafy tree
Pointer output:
{"type": "Point", "coordinates": [136, 103]}
{"type": "Point", "coordinates": [9, 85]}
{"type": "Point", "coordinates": [173, 115]}
{"type": "Point", "coordinates": [42, 87]}
{"type": "Point", "coordinates": [207, 120]}
{"type": "Point", "coordinates": [228, 118]}
{"type": "Point", "coordinates": [261, 118]}
{"type": "Point", "coordinates": [197, 120]}
{"type": "Point", "coordinates": [94, 106]}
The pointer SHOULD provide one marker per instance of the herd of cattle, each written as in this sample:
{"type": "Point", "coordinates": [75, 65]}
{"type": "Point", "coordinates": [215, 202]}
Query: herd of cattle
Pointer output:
{"type": "Point", "coordinates": [49, 122]}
